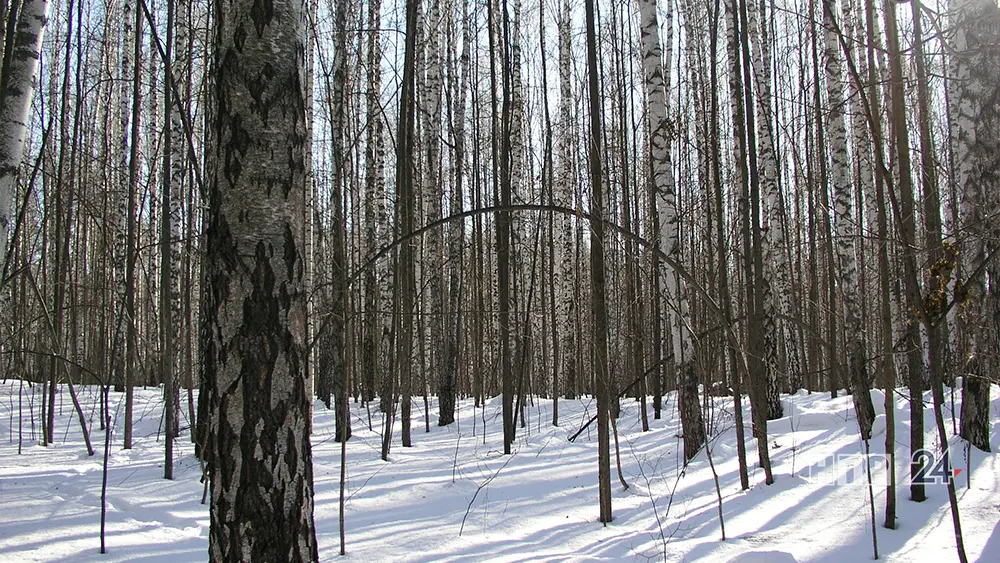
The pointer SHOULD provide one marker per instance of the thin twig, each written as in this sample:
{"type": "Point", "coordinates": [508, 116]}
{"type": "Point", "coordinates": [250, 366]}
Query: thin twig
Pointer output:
{"type": "Point", "coordinates": [480, 487]}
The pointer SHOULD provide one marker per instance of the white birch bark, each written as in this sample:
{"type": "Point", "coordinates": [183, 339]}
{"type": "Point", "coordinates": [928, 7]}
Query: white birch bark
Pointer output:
{"type": "Point", "coordinates": [180, 92]}
{"type": "Point", "coordinates": [261, 473]}
{"type": "Point", "coordinates": [376, 188]}
{"type": "Point", "coordinates": [374, 204]}
{"type": "Point", "coordinates": [120, 197]}
{"type": "Point", "coordinates": [974, 65]}
{"type": "Point", "coordinates": [15, 103]}
{"type": "Point", "coordinates": [861, 146]}
{"type": "Point", "coordinates": [521, 227]}
{"type": "Point", "coordinates": [660, 132]}
{"type": "Point", "coordinates": [767, 166]}
{"type": "Point", "coordinates": [460, 68]}
{"type": "Point", "coordinates": [564, 195]}
{"type": "Point", "coordinates": [433, 182]}
{"type": "Point", "coordinates": [840, 178]}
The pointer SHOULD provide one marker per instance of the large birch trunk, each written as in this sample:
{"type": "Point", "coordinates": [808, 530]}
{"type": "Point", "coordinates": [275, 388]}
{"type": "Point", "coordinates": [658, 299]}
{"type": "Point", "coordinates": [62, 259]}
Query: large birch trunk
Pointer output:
{"type": "Point", "coordinates": [973, 69]}
{"type": "Point", "coordinates": [255, 303]}
{"type": "Point", "coordinates": [15, 103]}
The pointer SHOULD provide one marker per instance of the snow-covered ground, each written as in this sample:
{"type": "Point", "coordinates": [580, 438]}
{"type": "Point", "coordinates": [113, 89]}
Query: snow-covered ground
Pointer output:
{"type": "Point", "coordinates": [455, 497]}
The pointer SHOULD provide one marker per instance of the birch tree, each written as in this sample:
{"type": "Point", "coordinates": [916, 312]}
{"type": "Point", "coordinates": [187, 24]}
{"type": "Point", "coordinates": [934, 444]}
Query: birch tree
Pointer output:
{"type": "Point", "coordinates": [180, 71]}
{"type": "Point", "coordinates": [256, 297]}
{"type": "Point", "coordinates": [167, 278]}
{"type": "Point", "coordinates": [338, 220]}
{"type": "Point", "coordinates": [665, 210]}
{"type": "Point", "coordinates": [888, 371]}
{"type": "Point", "coordinates": [844, 220]}
{"type": "Point", "coordinates": [456, 230]}
{"type": "Point", "coordinates": [974, 94]}
{"type": "Point", "coordinates": [404, 286]}
{"type": "Point", "coordinates": [130, 70]}
{"type": "Point", "coordinates": [776, 295]}
{"type": "Point", "coordinates": [755, 369]}
{"type": "Point", "coordinates": [564, 195]}
{"type": "Point", "coordinates": [15, 102]}
{"type": "Point", "coordinates": [433, 194]}
{"type": "Point", "coordinates": [906, 232]}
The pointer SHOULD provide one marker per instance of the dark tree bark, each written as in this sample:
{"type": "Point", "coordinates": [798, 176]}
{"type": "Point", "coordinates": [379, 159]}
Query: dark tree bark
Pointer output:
{"type": "Point", "coordinates": [597, 275]}
{"type": "Point", "coordinates": [756, 376]}
{"type": "Point", "coordinates": [503, 228]}
{"type": "Point", "coordinates": [888, 367]}
{"type": "Point", "coordinates": [167, 374]}
{"type": "Point", "coordinates": [404, 288]}
{"type": "Point", "coordinates": [333, 378]}
{"type": "Point", "coordinates": [130, 240]}
{"type": "Point", "coordinates": [906, 230]}
{"type": "Point", "coordinates": [722, 248]}
{"type": "Point", "coordinates": [255, 307]}
{"type": "Point", "coordinates": [131, 69]}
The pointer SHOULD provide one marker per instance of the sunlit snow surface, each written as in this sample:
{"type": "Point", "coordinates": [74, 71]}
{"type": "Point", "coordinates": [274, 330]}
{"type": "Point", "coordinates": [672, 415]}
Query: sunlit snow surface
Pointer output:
{"type": "Point", "coordinates": [538, 505]}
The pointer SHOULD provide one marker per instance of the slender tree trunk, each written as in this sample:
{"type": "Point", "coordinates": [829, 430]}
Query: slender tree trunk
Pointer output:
{"type": "Point", "coordinates": [755, 369]}
{"type": "Point", "coordinates": [456, 233]}
{"type": "Point", "coordinates": [661, 175]}
{"type": "Point", "coordinates": [844, 219]}
{"type": "Point", "coordinates": [180, 100]}
{"type": "Point", "coordinates": [597, 274]}
{"type": "Point", "coordinates": [503, 235]}
{"type": "Point", "coordinates": [375, 178]}
{"type": "Point", "coordinates": [548, 184]}
{"type": "Point", "coordinates": [905, 226]}
{"type": "Point", "coordinates": [65, 177]}
{"type": "Point", "coordinates": [725, 298]}
{"type": "Point", "coordinates": [333, 378]}
{"type": "Point", "coordinates": [167, 372]}
{"type": "Point", "coordinates": [566, 304]}
{"type": "Point", "coordinates": [133, 67]}
{"type": "Point", "coordinates": [755, 32]}
{"type": "Point", "coordinates": [371, 340]}
{"type": "Point", "coordinates": [433, 190]}
{"type": "Point", "coordinates": [404, 275]}
{"type": "Point", "coordinates": [888, 362]}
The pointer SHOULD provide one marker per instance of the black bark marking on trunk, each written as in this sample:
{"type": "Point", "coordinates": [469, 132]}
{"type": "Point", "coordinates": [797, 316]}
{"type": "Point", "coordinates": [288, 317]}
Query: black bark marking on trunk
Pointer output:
{"type": "Point", "coordinates": [239, 38]}
{"type": "Point", "coordinates": [261, 14]}
{"type": "Point", "coordinates": [236, 148]}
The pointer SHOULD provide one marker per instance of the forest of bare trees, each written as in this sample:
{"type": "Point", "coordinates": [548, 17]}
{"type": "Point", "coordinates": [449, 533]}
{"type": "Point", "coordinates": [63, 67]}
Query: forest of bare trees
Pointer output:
{"type": "Point", "coordinates": [258, 204]}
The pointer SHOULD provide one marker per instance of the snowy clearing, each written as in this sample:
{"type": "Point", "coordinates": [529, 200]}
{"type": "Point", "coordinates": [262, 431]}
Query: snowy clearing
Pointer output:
{"type": "Point", "coordinates": [454, 497]}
